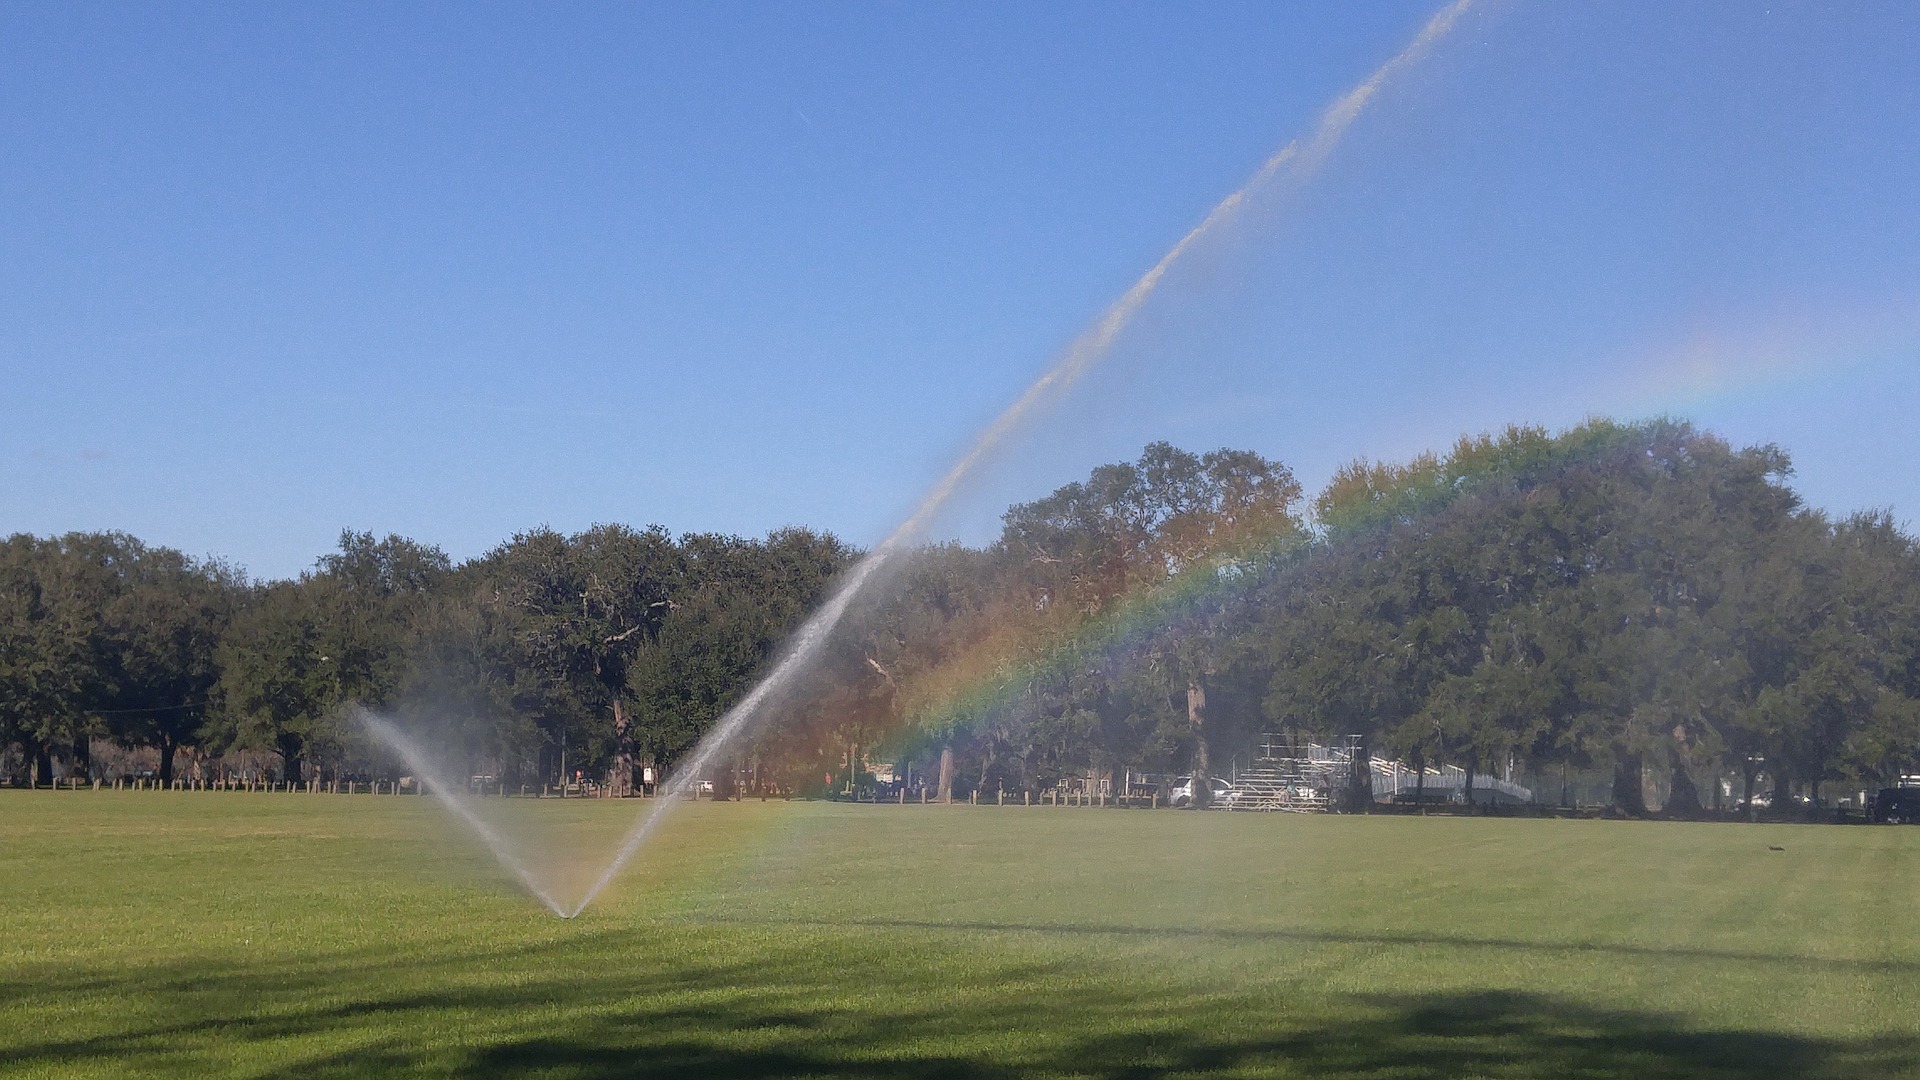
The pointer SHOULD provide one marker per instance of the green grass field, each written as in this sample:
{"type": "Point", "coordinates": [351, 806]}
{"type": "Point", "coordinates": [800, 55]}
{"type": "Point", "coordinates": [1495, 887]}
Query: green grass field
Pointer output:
{"type": "Point", "coordinates": [198, 934]}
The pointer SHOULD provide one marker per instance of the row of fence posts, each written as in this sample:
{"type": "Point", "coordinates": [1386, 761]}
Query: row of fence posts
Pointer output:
{"type": "Point", "coordinates": [1056, 797]}
{"type": "Point", "coordinates": [392, 787]}
{"type": "Point", "coordinates": [311, 787]}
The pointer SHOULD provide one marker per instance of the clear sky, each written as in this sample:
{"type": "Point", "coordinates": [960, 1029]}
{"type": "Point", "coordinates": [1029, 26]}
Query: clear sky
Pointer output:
{"type": "Point", "coordinates": [454, 271]}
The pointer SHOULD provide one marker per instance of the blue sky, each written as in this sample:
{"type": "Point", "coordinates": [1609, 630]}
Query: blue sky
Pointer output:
{"type": "Point", "coordinates": [454, 271]}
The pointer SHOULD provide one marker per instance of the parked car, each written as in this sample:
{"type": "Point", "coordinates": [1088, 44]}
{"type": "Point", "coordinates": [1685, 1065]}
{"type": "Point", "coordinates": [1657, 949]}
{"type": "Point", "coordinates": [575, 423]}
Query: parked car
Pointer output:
{"type": "Point", "coordinates": [1224, 794]}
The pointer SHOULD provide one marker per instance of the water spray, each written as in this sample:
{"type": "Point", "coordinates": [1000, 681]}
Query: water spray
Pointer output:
{"type": "Point", "coordinates": [1297, 160]}
{"type": "Point", "coordinates": [450, 797]}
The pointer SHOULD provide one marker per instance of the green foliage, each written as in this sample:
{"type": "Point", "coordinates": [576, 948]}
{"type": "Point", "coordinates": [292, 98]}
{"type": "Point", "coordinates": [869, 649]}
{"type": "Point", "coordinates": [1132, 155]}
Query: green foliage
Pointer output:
{"type": "Point", "coordinates": [1618, 595]}
{"type": "Point", "coordinates": [50, 642]}
{"type": "Point", "coordinates": [1073, 647]}
{"type": "Point", "coordinates": [303, 654]}
{"type": "Point", "coordinates": [1617, 591]}
{"type": "Point", "coordinates": [166, 623]}
{"type": "Point", "coordinates": [734, 602]}
{"type": "Point", "coordinates": [1613, 596]}
{"type": "Point", "coordinates": [102, 635]}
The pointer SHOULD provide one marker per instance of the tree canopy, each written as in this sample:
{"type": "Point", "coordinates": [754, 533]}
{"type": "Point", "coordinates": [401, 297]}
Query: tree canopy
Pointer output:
{"type": "Point", "coordinates": [1635, 599]}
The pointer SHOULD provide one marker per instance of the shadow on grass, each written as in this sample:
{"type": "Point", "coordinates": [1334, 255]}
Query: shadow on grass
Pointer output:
{"type": "Point", "coordinates": [1418, 1036]}
{"type": "Point", "coordinates": [1251, 935]}
{"type": "Point", "coordinates": [630, 1003]}
{"type": "Point", "coordinates": [1414, 1036]}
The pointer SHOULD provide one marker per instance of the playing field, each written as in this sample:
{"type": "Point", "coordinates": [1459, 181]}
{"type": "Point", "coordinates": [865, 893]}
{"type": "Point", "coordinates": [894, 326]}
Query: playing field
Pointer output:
{"type": "Point", "coordinates": [197, 934]}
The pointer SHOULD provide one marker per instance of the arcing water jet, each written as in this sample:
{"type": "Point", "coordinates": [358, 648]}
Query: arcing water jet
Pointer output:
{"type": "Point", "coordinates": [1297, 160]}
{"type": "Point", "coordinates": [423, 770]}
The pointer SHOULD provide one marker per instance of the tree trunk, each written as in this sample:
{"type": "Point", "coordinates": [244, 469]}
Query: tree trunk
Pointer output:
{"type": "Point", "coordinates": [1751, 774]}
{"type": "Point", "coordinates": [946, 774]}
{"type": "Point", "coordinates": [1201, 789]}
{"type": "Point", "coordinates": [166, 760]}
{"type": "Point", "coordinates": [1683, 796]}
{"type": "Point", "coordinates": [1360, 778]}
{"type": "Point", "coordinates": [1420, 781]}
{"type": "Point", "coordinates": [1629, 796]}
{"type": "Point", "coordinates": [291, 749]}
{"type": "Point", "coordinates": [621, 782]}
{"type": "Point", "coordinates": [1466, 788]}
{"type": "Point", "coordinates": [42, 764]}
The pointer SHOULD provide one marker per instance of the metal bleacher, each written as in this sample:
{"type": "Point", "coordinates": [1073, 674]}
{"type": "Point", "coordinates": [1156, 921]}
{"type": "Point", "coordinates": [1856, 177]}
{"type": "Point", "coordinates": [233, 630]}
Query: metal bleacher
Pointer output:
{"type": "Point", "coordinates": [1294, 777]}
{"type": "Point", "coordinates": [1395, 782]}
{"type": "Point", "coordinates": [1302, 777]}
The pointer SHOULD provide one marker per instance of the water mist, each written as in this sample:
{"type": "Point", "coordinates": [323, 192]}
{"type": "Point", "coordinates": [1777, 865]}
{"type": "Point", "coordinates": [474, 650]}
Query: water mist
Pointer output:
{"type": "Point", "coordinates": [461, 807]}
{"type": "Point", "coordinates": [1296, 161]}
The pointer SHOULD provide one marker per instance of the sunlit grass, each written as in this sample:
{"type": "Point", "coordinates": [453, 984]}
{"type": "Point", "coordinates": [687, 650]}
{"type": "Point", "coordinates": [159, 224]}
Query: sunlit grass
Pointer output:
{"type": "Point", "coordinates": [192, 934]}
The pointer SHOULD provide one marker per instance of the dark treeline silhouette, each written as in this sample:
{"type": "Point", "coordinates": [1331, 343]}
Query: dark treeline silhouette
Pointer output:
{"type": "Point", "coordinates": [597, 648]}
{"type": "Point", "coordinates": [1636, 599]}
{"type": "Point", "coordinates": [1632, 600]}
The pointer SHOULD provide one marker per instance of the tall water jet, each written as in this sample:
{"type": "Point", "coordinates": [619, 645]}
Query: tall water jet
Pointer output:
{"type": "Point", "coordinates": [455, 801]}
{"type": "Point", "coordinates": [1298, 160]}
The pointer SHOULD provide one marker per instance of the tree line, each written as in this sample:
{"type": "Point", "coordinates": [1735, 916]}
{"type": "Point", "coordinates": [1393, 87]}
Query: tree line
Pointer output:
{"type": "Point", "coordinates": [602, 648]}
{"type": "Point", "coordinates": [1632, 599]}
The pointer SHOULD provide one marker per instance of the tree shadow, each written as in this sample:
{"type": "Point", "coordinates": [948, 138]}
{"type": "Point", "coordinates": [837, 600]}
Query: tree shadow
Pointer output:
{"type": "Point", "coordinates": [777, 1010]}
{"type": "Point", "coordinates": [1420, 1037]}
{"type": "Point", "coordinates": [1308, 936]}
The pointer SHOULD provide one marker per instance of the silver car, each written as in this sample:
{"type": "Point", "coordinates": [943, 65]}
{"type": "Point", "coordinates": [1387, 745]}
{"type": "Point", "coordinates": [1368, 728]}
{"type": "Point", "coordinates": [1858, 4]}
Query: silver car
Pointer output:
{"type": "Point", "coordinates": [1224, 794]}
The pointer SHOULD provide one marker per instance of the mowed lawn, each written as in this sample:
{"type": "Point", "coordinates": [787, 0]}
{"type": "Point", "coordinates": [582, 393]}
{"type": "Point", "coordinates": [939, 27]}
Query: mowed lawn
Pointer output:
{"type": "Point", "coordinates": [195, 934]}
